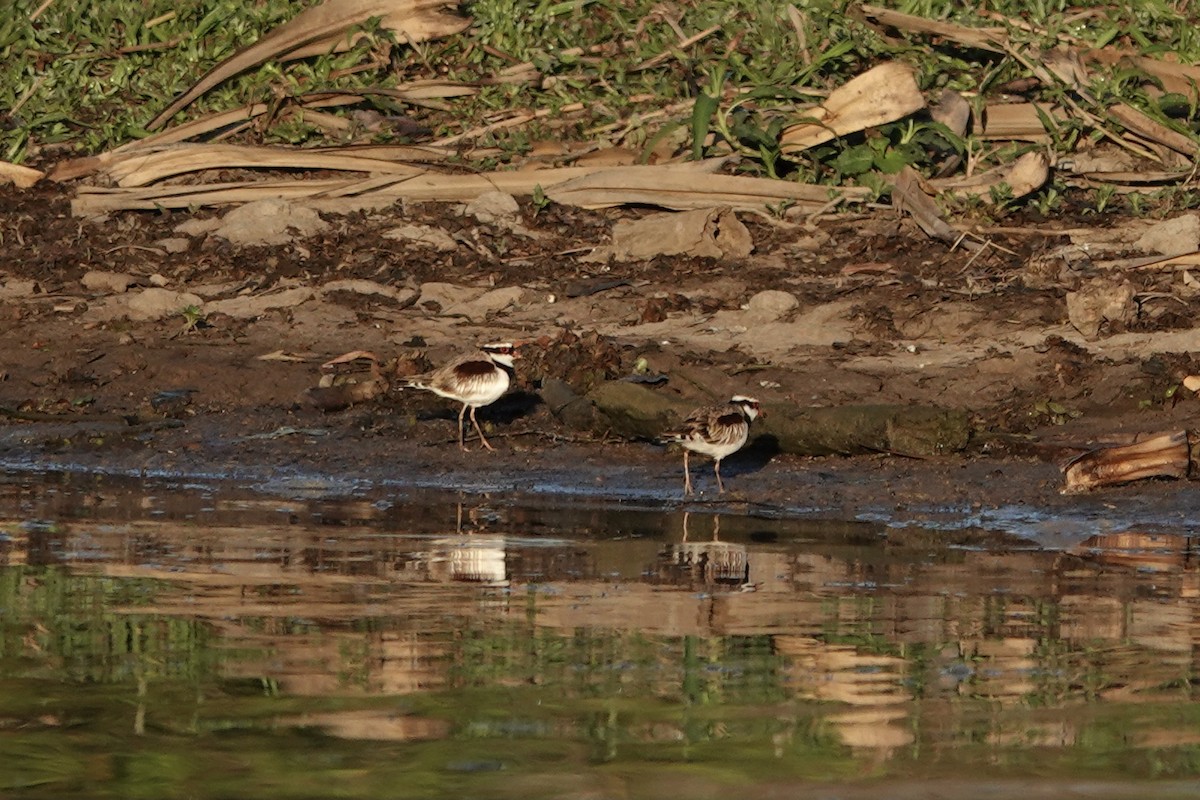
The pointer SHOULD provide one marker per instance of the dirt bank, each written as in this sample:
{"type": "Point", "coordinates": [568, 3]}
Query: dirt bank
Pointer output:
{"type": "Point", "coordinates": [856, 309]}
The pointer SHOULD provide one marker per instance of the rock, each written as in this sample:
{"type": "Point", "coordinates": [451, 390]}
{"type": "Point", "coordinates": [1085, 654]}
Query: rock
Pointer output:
{"type": "Point", "coordinates": [107, 282]}
{"type": "Point", "coordinates": [571, 409]}
{"type": "Point", "coordinates": [18, 287]}
{"type": "Point", "coordinates": [248, 307]}
{"type": "Point", "coordinates": [498, 208]}
{"type": "Point", "coordinates": [402, 296]}
{"type": "Point", "coordinates": [492, 302]}
{"type": "Point", "coordinates": [424, 236]}
{"type": "Point", "coordinates": [266, 222]}
{"type": "Point", "coordinates": [210, 291]}
{"type": "Point", "coordinates": [1172, 237]}
{"type": "Point", "coordinates": [174, 244]}
{"type": "Point", "coordinates": [155, 303]}
{"type": "Point", "coordinates": [771, 305]}
{"type": "Point", "coordinates": [198, 227]}
{"type": "Point", "coordinates": [705, 233]}
{"type": "Point", "coordinates": [1099, 301]}
{"type": "Point", "coordinates": [445, 295]}
{"type": "Point", "coordinates": [635, 412]}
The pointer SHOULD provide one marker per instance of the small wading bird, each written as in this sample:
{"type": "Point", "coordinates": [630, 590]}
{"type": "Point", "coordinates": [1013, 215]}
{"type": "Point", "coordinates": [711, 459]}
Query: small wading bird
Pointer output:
{"type": "Point", "coordinates": [475, 380]}
{"type": "Point", "coordinates": [715, 431]}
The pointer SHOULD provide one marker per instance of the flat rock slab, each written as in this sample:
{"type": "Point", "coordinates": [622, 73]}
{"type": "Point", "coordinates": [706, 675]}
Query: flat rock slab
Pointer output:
{"type": "Point", "coordinates": [266, 222]}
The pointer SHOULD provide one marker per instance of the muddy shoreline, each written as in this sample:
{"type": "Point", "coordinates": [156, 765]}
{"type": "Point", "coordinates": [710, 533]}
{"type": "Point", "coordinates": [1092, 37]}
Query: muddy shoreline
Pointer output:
{"type": "Point", "coordinates": [1010, 497]}
{"type": "Point", "coordinates": [850, 310]}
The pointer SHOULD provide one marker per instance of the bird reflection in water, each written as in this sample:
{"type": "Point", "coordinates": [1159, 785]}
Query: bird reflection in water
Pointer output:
{"type": "Point", "coordinates": [712, 563]}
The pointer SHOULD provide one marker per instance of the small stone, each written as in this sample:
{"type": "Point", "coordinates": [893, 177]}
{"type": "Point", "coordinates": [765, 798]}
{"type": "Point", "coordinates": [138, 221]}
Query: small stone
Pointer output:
{"type": "Point", "coordinates": [492, 302]}
{"type": "Point", "coordinates": [1172, 237]}
{"type": "Point", "coordinates": [267, 222]}
{"type": "Point", "coordinates": [424, 236]}
{"type": "Point", "coordinates": [174, 244]}
{"type": "Point", "coordinates": [198, 227]}
{"type": "Point", "coordinates": [159, 303]}
{"type": "Point", "coordinates": [108, 282]}
{"type": "Point", "coordinates": [496, 207]}
{"type": "Point", "coordinates": [771, 305]}
{"type": "Point", "coordinates": [1098, 302]}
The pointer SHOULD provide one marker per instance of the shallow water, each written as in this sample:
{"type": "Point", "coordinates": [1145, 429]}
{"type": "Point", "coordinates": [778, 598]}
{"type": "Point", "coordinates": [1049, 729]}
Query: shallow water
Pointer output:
{"type": "Point", "coordinates": [165, 640]}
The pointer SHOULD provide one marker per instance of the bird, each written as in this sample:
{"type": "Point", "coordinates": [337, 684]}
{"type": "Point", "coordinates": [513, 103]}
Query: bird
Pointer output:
{"type": "Point", "coordinates": [475, 380]}
{"type": "Point", "coordinates": [716, 431]}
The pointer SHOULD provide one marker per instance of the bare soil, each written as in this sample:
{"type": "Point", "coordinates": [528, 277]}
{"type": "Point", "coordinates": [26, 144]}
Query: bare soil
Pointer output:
{"type": "Point", "coordinates": [883, 315]}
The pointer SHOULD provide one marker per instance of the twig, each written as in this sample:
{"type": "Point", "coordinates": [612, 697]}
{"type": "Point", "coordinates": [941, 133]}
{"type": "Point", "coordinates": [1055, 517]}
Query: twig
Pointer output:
{"type": "Point", "coordinates": [511, 122]}
{"type": "Point", "coordinates": [654, 61]}
{"type": "Point", "coordinates": [1011, 231]}
{"type": "Point", "coordinates": [38, 11]}
{"type": "Point", "coordinates": [28, 93]}
{"type": "Point", "coordinates": [799, 22]}
{"type": "Point", "coordinates": [142, 48]}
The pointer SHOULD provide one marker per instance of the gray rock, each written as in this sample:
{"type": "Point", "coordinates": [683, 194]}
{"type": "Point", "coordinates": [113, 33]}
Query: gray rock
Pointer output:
{"type": "Point", "coordinates": [155, 303]}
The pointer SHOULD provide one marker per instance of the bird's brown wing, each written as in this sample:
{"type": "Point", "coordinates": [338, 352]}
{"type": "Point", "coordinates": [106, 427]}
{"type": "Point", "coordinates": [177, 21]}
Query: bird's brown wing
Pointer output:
{"type": "Point", "coordinates": [696, 424]}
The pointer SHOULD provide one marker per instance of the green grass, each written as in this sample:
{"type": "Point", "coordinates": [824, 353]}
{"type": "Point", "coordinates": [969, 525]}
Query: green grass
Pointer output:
{"type": "Point", "coordinates": [83, 78]}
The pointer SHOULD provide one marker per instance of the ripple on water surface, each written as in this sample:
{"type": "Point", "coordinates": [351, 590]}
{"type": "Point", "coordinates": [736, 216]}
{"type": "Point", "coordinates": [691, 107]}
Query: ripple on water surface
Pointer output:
{"type": "Point", "coordinates": [203, 642]}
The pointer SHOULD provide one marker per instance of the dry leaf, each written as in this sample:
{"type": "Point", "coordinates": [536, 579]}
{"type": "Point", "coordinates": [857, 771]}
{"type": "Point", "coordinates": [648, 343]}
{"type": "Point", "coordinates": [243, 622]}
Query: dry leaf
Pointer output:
{"type": "Point", "coordinates": [953, 111]}
{"type": "Point", "coordinates": [883, 94]}
{"type": "Point", "coordinates": [143, 167]}
{"type": "Point", "coordinates": [20, 176]}
{"type": "Point", "coordinates": [1027, 174]}
{"type": "Point", "coordinates": [1021, 121]}
{"type": "Point", "coordinates": [907, 195]}
{"type": "Point", "coordinates": [1155, 131]}
{"type": "Point", "coordinates": [326, 28]}
{"type": "Point", "coordinates": [688, 186]}
{"type": "Point", "coordinates": [993, 39]}
{"type": "Point", "coordinates": [280, 355]}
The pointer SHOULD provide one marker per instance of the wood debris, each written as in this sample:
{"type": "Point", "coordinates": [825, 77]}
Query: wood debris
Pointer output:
{"type": "Point", "coordinates": [1166, 455]}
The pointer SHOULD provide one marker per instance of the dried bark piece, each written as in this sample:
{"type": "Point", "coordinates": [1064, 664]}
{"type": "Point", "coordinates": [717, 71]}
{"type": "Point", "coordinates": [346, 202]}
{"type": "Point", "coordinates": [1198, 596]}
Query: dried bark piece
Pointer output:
{"type": "Point", "coordinates": [1167, 455]}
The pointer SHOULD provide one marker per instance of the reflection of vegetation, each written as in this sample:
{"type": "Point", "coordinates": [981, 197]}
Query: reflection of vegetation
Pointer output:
{"type": "Point", "coordinates": [102, 693]}
{"type": "Point", "coordinates": [48, 611]}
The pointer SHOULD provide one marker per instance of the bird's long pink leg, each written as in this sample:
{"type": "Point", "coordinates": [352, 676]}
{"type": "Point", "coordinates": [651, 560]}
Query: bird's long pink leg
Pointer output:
{"type": "Point", "coordinates": [462, 444]}
{"type": "Point", "coordinates": [717, 470]}
{"type": "Point", "coordinates": [687, 475]}
{"type": "Point", "coordinates": [480, 431]}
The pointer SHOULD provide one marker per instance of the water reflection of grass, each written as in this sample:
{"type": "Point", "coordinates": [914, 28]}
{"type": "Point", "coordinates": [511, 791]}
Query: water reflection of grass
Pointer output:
{"type": "Point", "coordinates": [102, 695]}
